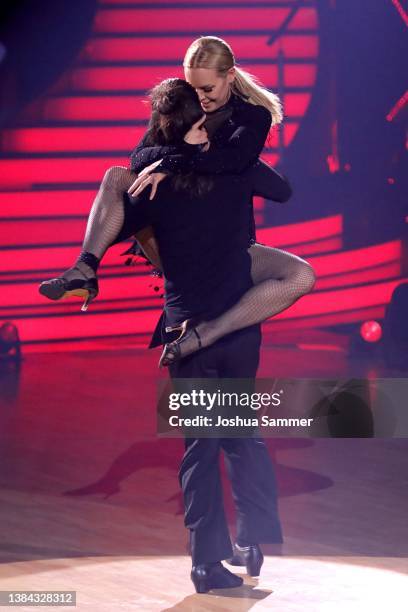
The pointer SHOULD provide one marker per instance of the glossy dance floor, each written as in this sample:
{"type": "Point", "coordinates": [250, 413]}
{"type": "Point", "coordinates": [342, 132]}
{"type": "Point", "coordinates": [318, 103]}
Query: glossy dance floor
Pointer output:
{"type": "Point", "coordinates": [90, 500]}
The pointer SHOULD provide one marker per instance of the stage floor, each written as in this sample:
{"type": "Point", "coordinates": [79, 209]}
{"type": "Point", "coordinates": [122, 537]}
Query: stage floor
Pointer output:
{"type": "Point", "coordinates": [90, 499]}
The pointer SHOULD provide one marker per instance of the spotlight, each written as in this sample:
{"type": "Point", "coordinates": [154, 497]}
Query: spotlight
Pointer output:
{"type": "Point", "coordinates": [366, 341]}
{"type": "Point", "coordinates": [371, 331]}
{"type": "Point", "coordinates": [10, 344]}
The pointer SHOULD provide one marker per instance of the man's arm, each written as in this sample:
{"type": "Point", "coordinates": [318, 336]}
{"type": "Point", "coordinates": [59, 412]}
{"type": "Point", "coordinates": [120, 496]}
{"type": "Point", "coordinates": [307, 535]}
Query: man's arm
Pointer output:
{"type": "Point", "coordinates": [268, 183]}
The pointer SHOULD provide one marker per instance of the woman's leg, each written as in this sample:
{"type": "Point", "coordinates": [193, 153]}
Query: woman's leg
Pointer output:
{"type": "Point", "coordinates": [280, 278]}
{"type": "Point", "coordinates": [104, 222]}
{"type": "Point", "coordinates": [148, 243]}
{"type": "Point", "coordinates": [105, 225]}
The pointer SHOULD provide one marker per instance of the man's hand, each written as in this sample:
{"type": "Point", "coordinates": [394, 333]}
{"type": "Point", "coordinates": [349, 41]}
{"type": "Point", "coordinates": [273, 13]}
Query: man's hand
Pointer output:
{"type": "Point", "coordinates": [197, 134]}
{"type": "Point", "coordinates": [145, 178]}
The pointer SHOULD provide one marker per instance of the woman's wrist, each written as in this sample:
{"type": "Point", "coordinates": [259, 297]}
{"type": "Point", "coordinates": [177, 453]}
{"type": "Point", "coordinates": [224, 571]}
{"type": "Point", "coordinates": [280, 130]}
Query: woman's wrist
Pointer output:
{"type": "Point", "coordinates": [190, 148]}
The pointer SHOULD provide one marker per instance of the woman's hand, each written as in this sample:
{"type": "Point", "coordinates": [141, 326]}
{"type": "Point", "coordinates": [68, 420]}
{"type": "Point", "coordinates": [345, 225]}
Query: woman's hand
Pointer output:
{"type": "Point", "coordinates": [197, 134]}
{"type": "Point", "coordinates": [145, 178]}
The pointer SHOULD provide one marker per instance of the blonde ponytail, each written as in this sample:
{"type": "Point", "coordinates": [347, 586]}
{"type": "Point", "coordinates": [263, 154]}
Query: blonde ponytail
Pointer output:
{"type": "Point", "coordinates": [247, 86]}
{"type": "Point", "coordinates": [214, 52]}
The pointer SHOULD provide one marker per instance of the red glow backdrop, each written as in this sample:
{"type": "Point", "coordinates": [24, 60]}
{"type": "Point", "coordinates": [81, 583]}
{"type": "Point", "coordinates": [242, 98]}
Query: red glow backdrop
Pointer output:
{"type": "Point", "coordinates": [95, 114]}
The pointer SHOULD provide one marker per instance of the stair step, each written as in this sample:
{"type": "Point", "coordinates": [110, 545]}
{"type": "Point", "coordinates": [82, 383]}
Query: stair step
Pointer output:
{"type": "Point", "coordinates": [142, 78]}
{"type": "Point", "coordinates": [69, 172]}
{"type": "Point", "coordinates": [109, 140]}
{"type": "Point", "coordinates": [29, 173]}
{"type": "Point", "coordinates": [187, 19]}
{"type": "Point", "coordinates": [101, 108]}
{"type": "Point", "coordinates": [126, 287]}
{"type": "Point", "coordinates": [54, 259]}
{"type": "Point", "coordinates": [145, 48]}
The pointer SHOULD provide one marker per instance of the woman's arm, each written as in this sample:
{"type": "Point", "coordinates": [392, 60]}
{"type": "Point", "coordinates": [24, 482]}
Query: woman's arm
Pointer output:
{"type": "Point", "coordinates": [143, 155]}
{"type": "Point", "coordinates": [242, 149]}
{"type": "Point", "coordinates": [268, 183]}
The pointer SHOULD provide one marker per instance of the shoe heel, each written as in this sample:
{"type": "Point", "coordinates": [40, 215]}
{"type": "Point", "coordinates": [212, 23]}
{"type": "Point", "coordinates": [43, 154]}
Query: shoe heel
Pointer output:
{"type": "Point", "coordinates": [254, 566]}
{"type": "Point", "coordinates": [87, 301]}
{"type": "Point", "coordinates": [85, 305]}
{"type": "Point", "coordinates": [172, 329]}
{"type": "Point", "coordinates": [200, 585]}
{"type": "Point", "coordinates": [254, 569]}
{"type": "Point", "coordinates": [91, 287]}
{"type": "Point", "coordinates": [183, 327]}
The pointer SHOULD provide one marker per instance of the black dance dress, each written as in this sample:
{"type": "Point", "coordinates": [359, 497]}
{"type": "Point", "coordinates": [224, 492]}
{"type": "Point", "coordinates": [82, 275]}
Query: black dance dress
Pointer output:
{"type": "Point", "coordinates": [237, 132]}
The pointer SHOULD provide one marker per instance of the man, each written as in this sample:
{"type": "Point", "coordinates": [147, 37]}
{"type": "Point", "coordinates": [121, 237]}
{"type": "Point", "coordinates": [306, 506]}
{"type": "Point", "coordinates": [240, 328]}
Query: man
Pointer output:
{"type": "Point", "coordinates": [203, 251]}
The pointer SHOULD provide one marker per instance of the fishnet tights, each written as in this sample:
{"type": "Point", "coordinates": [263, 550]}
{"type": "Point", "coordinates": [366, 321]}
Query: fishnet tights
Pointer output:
{"type": "Point", "coordinates": [280, 278]}
{"type": "Point", "coordinates": [107, 213]}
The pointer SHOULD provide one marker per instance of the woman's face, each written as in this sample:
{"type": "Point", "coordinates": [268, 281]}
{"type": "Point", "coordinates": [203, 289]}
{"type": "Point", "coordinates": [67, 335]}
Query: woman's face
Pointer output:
{"type": "Point", "coordinates": [213, 90]}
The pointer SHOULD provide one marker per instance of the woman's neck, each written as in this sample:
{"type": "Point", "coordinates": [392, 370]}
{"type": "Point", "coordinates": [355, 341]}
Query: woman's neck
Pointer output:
{"type": "Point", "coordinates": [223, 106]}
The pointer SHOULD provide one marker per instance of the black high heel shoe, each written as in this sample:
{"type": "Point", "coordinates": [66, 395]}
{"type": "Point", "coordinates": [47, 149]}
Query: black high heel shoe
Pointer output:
{"type": "Point", "coordinates": [213, 576]}
{"type": "Point", "coordinates": [250, 556]}
{"type": "Point", "coordinates": [60, 288]}
{"type": "Point", "coordinates": [172, 350]}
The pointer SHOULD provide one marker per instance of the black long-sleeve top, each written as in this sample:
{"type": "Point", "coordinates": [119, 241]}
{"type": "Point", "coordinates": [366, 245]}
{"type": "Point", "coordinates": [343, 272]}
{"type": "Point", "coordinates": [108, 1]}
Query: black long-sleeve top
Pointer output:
{"type": "Point", "coordinates": [237, 131]}
{"type": "Point", "coordinates": [236, 144]}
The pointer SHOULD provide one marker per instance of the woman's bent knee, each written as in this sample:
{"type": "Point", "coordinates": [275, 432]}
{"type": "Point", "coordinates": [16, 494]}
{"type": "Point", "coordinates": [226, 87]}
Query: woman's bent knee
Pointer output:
{"type": "Point", "coordinates": [117, 176]}
{"type": "Point", "coordinates": [307, 278]}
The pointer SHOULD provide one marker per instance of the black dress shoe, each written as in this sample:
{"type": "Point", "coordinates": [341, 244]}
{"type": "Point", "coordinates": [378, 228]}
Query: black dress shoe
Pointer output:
{"type": "Point", "coordinates": [250, 556]}
{"type": "Point", "coordinates": [213, 576]}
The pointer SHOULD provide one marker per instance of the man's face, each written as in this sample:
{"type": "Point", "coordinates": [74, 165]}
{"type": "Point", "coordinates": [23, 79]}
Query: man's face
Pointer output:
{"type": "Point", "coordinates": [213, 90]}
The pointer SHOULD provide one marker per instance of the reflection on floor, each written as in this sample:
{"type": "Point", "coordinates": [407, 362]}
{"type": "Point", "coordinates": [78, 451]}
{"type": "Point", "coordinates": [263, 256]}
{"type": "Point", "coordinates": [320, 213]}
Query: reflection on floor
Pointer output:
{"type": "Point", "coordinates": [90, 499]}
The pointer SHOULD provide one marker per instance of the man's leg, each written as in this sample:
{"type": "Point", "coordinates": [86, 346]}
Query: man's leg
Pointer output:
{"type": "Point", "coordinates": [248, 463]}
{"type": "Point", "coordinates": [254, 490]}
{"type": "Point", "coordinates": [199, 475]}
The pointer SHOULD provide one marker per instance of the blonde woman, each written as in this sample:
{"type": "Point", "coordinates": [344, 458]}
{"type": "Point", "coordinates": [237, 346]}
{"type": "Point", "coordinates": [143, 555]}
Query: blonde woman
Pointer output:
{"type": "Point", "coordinates": [239, 114]}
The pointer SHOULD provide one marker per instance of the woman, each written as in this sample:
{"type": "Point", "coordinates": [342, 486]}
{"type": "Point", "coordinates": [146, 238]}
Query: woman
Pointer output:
{"type": "Point", "coordinates": [239, 116]}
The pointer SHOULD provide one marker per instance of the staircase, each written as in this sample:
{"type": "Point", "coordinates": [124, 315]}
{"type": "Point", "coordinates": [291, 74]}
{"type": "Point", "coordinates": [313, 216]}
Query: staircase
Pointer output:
{"type": "Point", "coordinates": [53, 159]}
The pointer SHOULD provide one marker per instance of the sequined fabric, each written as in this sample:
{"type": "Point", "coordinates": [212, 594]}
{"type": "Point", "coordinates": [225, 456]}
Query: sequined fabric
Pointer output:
{"type": "Point", "coordinates": [237, 131]}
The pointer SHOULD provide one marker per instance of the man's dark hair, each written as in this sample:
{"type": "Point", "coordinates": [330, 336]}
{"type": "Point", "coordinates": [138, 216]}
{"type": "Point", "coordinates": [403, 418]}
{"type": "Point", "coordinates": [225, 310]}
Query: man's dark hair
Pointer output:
{"type": "Point", "coordinates": [175, 108]}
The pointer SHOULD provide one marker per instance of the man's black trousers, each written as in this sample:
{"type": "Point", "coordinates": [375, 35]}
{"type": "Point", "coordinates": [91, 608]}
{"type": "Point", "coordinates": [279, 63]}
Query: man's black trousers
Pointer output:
{"type": "Point", "coordinates": [248, 463]}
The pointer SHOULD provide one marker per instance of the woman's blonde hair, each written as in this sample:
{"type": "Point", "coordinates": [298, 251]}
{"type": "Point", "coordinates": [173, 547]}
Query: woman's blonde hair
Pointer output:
{"type": "Point", "coordinates": [213, 52]}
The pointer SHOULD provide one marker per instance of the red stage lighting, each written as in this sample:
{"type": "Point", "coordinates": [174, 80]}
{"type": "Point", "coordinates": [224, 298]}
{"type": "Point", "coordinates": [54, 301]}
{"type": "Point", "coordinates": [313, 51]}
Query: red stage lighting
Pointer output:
{"type": "Point", "coordinates": [371, 331]}
{"type": "Point", "coordinates": [9, 341]}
